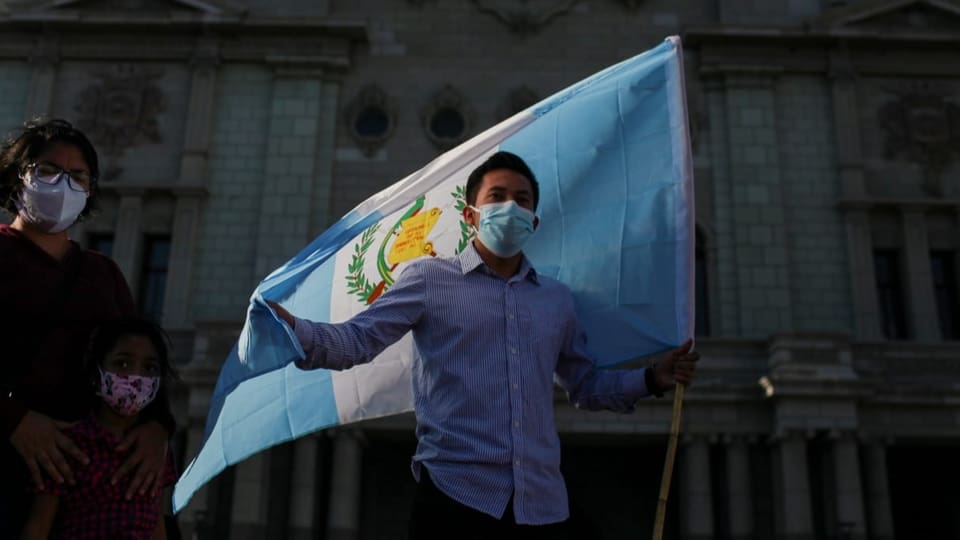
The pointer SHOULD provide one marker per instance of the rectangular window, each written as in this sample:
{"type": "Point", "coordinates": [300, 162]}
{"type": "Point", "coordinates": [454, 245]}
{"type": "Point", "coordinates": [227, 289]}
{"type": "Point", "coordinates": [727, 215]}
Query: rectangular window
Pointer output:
{"type": "Point", "coordinates": [153, 275]}
{"type": "Point", "coordinates": [886, 266]}
{"type": "Point", "coordinates": [101, 242]}
{"type": "Point", "coordinates": [945, 291]}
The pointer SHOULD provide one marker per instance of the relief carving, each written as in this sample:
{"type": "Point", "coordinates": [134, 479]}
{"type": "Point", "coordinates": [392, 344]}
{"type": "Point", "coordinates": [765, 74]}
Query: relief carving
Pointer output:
{"type": "Point", "coordinates": [525, 16]}
{"type": "Point", "coordinates": [922, 127]}
{"type": "Point", "coordinates": [121, 111]}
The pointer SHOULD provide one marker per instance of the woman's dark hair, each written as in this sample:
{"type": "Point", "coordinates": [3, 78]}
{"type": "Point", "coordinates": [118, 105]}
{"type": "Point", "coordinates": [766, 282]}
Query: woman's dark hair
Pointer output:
{"type": "Point", "coordinates": [105, 337]}
{"type": "Point", "coordinates": [21, 150]}
{"type": "Point", "coordinates": [501, 160]}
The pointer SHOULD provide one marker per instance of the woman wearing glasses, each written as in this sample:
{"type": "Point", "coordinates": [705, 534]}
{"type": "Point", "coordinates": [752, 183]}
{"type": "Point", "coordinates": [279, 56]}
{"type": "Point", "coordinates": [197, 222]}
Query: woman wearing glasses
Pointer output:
{"type": "Point", "coordinates": [52, 294]}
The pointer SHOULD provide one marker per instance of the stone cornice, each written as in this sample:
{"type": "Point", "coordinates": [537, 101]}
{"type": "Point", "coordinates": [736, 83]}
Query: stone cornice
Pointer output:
{"type": "Point", "coordinates": [103, 37]}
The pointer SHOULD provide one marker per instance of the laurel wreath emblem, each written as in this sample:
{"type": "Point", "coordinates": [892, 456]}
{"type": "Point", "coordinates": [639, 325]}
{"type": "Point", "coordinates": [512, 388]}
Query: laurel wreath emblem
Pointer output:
{"type": "Point", "coordinates": [366, 291]}
{"type": "Point", "coordinates": [357, 282]}
{"type": "Point", "coordinates": [466, 231]}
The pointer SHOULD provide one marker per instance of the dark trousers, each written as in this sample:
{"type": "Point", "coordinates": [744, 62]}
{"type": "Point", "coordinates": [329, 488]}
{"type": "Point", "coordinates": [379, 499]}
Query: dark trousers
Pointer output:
{"type": "Point", "coordinates": [436, 516]}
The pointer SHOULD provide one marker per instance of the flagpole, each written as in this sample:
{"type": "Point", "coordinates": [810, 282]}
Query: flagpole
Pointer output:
{"type": "Point", "coordinates": [668, 465]}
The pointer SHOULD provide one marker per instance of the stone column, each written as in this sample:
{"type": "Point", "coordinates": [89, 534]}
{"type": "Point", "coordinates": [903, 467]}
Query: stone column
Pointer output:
{"type": "Point", "coordinates": [44, 61]}
{"type": "Point", "coordinates": [285, 206]}
{"type": "Point", "coordinates": [696, 492]}
{"type": "Point", "coordinates": [189, 190]}
{"type": "Point", "coordinates": [738, 489]}
{"type": "Point", "coordinates": [924, 321]}
{"type": "Point", "coordinates": [728, 297]}
{"type": "Point", "coordinates": [303, 491]}
{"type": "Point", "coordinates": [250, 498]}
{"type": "Point", "coordinates": [757, 205]}
{"type": "Point", "coordinates": [846, 121]}
{"type": "Point", "coordinates": [846, 466]}
{"type": "Point", "coordinates": [879, 512]}
{"type": "Point", "coordinates": [344, 516]}
{"type": "Point", "coordinates": [795, 513]}
{"type": "Point", "coordinates": [862, 279]}
{"type": "Point", "coordinates": [128, 237]}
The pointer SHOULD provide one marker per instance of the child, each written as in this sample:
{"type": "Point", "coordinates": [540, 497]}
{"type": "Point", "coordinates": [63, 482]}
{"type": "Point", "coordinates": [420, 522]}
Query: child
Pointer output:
{"type": "Point", "coordinates": [128, 368]}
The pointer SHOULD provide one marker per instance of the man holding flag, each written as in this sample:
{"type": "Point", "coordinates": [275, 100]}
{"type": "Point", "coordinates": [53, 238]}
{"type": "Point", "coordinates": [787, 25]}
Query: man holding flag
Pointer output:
{"type": "Point", "coordinates": [492, 335]}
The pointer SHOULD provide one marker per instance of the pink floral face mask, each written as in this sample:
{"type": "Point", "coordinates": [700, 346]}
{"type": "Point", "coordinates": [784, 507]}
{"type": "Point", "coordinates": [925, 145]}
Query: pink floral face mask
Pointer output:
{"type": "Point", "coordinates": [127, 394]}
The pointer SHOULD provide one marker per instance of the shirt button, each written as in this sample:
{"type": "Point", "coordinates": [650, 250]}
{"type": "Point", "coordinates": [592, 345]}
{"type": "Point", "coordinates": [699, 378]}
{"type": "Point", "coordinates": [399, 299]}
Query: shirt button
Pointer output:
{"type": "Point", "coordinates": [510, 316]}
{"type": "Point", "coordinates": [515, 386]}
{"type": "Point", "coordinates": [513, 350]}
{"type": "Point", "coordinates": [517, 462]}
{"type": "Point", "coordinates": [516, 424]}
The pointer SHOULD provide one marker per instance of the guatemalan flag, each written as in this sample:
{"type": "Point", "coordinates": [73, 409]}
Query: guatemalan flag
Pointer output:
{"type": "Point", "coordinates": [612, 155]}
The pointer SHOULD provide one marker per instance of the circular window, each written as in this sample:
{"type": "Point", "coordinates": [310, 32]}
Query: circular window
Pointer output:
{"type": "Point", "coordinates": [447, 123]}
{"type": "Point", "coordinates": [372, 122]}
{"type": "Point", "coordinates": [370, 119]}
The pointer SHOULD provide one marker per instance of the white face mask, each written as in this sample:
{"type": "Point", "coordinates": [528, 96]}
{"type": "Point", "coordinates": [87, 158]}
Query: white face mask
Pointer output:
{"type": "Point", "coordinates": [50, 207]}
{"type": "Point", "coordinates": [504, 227]}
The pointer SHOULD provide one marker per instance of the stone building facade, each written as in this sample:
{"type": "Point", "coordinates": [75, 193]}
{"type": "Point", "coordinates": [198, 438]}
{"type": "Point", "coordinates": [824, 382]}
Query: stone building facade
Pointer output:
{"type": "Point", "coordinates": [827, 154]}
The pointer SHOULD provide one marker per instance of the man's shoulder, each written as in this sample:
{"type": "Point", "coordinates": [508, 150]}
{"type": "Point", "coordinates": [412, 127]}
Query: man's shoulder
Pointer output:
{"type": "Point", "coordinates": [553, 284]}
{"type": "Point", "coordinates": [431, 265]}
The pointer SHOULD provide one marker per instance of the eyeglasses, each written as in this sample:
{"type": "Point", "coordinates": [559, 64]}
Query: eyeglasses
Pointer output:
{"type": "Point", "coordinates": [50, 174]}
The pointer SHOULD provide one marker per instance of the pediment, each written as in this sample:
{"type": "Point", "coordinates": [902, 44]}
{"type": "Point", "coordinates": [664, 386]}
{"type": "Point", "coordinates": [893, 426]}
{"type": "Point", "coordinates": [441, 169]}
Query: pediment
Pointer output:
{"type": "Point", "coordinates": [895, 17]}
{"type": "Point", "coordinates": [195, 7]}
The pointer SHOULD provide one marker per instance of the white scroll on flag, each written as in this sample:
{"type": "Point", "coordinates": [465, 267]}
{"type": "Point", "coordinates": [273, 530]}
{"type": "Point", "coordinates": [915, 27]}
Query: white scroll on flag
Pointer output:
{"type": "Point", "coordinates": [612, 155]}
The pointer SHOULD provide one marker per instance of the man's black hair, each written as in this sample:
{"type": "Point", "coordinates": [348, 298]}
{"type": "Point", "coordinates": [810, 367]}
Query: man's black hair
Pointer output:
{"type": "Point", "coordinates": [21, 150]}
{"type": "Point", "coordinates": [501, 160]}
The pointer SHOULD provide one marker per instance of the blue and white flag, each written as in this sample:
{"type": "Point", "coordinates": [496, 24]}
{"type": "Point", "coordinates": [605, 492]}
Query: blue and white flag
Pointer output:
{"type": "Point", "coordinates": [612, 156]}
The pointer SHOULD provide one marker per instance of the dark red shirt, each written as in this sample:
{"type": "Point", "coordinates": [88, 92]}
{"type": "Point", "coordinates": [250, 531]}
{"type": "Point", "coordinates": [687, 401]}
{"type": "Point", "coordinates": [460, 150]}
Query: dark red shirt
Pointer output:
{"type": "Point", "coordinates": [93, 509]}
{"type": "Point", "coordinates": [42, 353]}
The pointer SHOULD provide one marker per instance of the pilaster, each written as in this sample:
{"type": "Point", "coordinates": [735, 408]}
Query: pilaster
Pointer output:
{"type": "Point", "coordinates": [849, 493]}
{"type": "Point", "coordinates": [924, 322]}
{"type": "Point", "coordinates": [738, 489]}
{"type": "Point", "coordinates": [44, 62]}
{"type": "Point", "coordinates": [696, 491]}
{"type": "Point", "coordinates": [128, 238]}
{"type": "Point", "coordinates": [877, 487]}
{"type": "Point", "coordinates": [344, 516]}
{"type": "Point", "coordinates": [795, 512]}
{"type": "Point", "coordinates": [762, 256]}
{"type": "Point", "coordinates": [288, 191]}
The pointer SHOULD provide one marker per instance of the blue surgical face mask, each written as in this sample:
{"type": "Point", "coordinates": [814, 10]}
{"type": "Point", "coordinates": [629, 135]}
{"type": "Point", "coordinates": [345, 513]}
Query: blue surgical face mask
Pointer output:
{"type": "Point", "coordinates": [504, 227]}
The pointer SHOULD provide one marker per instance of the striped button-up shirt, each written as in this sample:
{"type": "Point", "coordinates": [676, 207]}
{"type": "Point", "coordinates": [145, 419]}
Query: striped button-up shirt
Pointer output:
{"type": "Point", "coordinates": [489, 351]}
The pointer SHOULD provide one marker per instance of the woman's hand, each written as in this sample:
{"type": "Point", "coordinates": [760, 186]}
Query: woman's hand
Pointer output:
{"type": "Point", "coordinates": [42, 445]}
{"type": "Point", "coordinates": [149, 443]}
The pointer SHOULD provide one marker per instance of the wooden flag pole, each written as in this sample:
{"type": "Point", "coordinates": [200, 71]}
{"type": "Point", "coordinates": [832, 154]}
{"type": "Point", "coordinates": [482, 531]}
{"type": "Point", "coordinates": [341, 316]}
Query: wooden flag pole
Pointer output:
{"type": "Point", "coordinates": [668, 465]}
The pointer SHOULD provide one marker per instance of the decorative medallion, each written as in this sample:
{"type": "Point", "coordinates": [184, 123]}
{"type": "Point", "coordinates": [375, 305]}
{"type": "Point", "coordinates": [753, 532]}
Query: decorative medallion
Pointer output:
{"type": "Point", "coordinates": [370, 119]}
{"type": "Point", "coordinates": [525, 16]}
{"type": "Point", "coordinates": [121, 111]}
{"type": "Point", "coordinates": [519, 99]}
{"type": "Point", "coordinates": [924, 128]}
{"type": "Point", "coordinates": [447, 120]}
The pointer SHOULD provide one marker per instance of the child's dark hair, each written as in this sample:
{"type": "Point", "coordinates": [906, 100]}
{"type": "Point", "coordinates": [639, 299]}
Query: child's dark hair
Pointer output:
{"type": "Point", "coordinates": [105, 337]}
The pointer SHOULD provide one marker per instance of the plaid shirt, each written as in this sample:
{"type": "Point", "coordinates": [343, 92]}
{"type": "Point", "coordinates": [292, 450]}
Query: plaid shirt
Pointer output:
{"type": "Point", "coordinates": [95, 510]}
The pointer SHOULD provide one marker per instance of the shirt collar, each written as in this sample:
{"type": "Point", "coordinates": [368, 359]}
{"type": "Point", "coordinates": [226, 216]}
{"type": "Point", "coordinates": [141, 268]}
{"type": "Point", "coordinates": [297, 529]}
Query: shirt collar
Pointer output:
{"type": "Point", "coordinates": [470, 260]}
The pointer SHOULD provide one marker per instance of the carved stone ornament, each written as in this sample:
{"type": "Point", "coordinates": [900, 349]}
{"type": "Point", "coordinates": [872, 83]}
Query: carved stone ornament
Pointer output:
{"type": "Point", "coordinates": [924, 128]}
{"type": "Point", "coordinates": [519, 99]}
{"type": "Point", "coordinates": [525, 16]}
{"type": "Point", "coordinates": [447, 119]}
{"type": "Point", "coordinates": [121, 111]}
{"type": "Point", "coordinates": [370, 119]}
